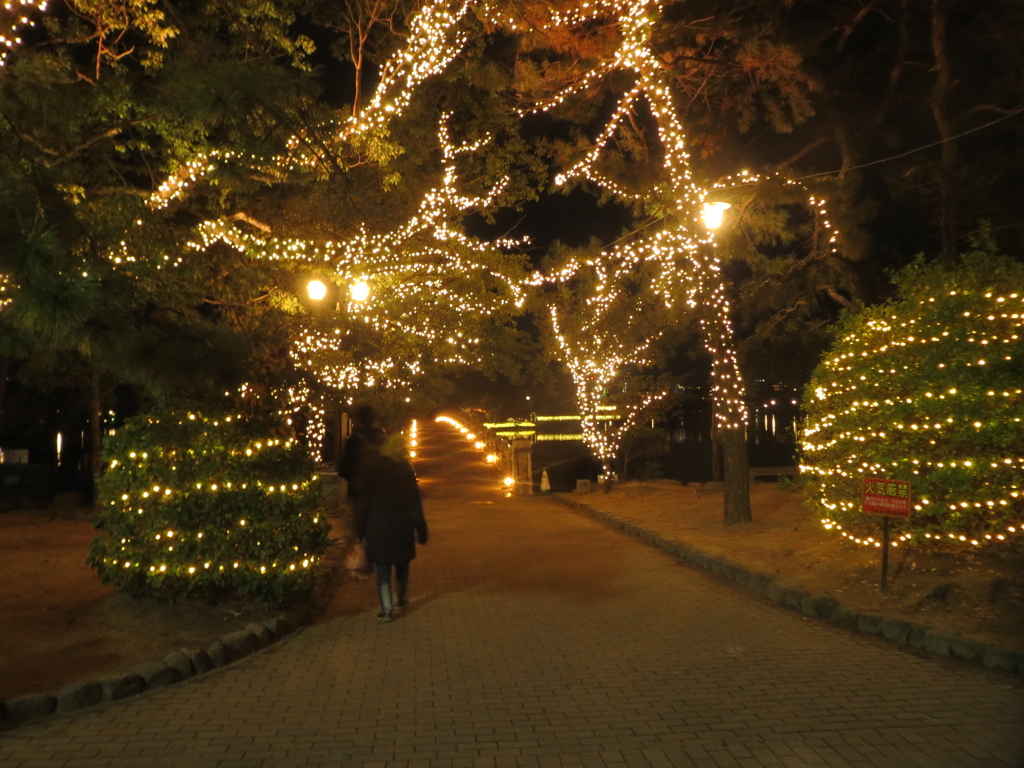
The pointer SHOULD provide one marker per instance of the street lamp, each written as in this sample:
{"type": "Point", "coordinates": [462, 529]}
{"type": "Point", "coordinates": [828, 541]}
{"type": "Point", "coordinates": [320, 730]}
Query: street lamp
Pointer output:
{"type": "Point", "coordinates": [360, 291]}
{"type": "Point", "coordinates": [316, 289]}
{"type": "Point", "coordinates": [713, 214]}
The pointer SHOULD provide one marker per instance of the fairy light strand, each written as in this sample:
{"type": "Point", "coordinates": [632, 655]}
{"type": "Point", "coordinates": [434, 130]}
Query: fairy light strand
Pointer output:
{"type": "Point", "coordinates": [919, 380]}
{"type": "Point", "coordinates": [415, 260]}
{"type": "Point", "coordinates": [147, 542]}
{"type": "Point", "coordinates": [14, 17]}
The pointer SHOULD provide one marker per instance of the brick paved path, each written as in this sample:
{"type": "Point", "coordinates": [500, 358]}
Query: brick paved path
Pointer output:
{"type": "Point", "coordinates": [536, 637]}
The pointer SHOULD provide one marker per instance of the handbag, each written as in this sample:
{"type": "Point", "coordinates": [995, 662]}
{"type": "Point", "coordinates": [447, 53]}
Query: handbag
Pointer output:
{"type": "Point", "coordinates": [356, 560]}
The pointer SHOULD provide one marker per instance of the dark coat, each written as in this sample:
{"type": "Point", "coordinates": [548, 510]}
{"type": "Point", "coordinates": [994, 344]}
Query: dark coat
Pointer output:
{"type": "Point", "coordinates": [360, 447]}
{"type": "Point", "coordinates": [389, 512]}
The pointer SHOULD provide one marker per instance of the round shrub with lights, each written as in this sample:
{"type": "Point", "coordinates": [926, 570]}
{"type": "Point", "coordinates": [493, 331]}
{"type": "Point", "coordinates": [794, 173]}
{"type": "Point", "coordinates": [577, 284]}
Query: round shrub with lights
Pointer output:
{"type": "Point", "coordinates": [926, 388]}
{"type": "Point", "coordinates": [209, 508]}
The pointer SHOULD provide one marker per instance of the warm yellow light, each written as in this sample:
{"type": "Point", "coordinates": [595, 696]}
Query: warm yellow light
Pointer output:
{"type": "Point", "coordinates": [713, 214]}
{"type": "Point", "coordinates": [680, 263]}
{"type": "Point", "coordinates": [317, 290]}
{"type": "Point", "coordinates": [491, 458]}
{"type": "Point", "coordinates": [509, 482]}
{"type": "Point", "coordinates": [360, 291]}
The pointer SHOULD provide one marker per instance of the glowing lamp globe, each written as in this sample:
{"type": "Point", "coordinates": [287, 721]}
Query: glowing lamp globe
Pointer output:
{"type": "Point", "coordinates": [713, 214]}
{"type": "Point", "coordinates": [360, 291]}
{"type": "Point", "coordinates": [316, 289]}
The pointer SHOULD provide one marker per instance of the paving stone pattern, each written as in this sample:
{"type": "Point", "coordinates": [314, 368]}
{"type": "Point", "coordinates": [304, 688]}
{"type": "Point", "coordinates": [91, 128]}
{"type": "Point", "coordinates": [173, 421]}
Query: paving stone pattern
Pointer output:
{"type": "Point", "coordinates": [539, 637]}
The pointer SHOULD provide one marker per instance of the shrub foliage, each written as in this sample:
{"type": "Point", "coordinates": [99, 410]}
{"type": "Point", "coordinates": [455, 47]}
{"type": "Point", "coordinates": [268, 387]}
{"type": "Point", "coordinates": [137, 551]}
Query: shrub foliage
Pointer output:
{"type": "Point", "coordinates": [209, 508]}
{"type": "Point", "coordinates": [926, 388]}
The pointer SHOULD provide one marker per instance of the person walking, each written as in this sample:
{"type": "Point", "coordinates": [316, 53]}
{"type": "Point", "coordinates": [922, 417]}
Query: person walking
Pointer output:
{"type": "Point", "coordinates": [361, 445]}
{"type": "Point", "coordinates": [389, 520]}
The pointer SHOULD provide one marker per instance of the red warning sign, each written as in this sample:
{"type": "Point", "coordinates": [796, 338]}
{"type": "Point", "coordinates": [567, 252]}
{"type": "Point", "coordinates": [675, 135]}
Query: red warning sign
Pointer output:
{"type": "Point", "coordinates": [886, 497]}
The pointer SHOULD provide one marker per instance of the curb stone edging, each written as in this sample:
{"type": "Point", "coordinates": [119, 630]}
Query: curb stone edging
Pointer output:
{"type": "Point", "coordinates": [185, 663]}
{"type": "Point", "coordinates": [177, 665]}
{"type": "Point", "coordinates": [899, 632]}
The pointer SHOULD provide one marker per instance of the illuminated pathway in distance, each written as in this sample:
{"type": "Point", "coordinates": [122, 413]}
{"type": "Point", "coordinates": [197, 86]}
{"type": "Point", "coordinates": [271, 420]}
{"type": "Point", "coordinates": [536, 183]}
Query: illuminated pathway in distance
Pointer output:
{"type": "Point", "coordinates": [536, 637]}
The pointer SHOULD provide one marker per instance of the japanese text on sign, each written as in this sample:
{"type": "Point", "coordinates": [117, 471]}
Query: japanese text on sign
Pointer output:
{"type": "Point", "coordinates": [886, 497]}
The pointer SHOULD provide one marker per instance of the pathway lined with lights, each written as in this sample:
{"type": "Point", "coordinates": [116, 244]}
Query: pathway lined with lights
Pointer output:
{"type": "Point", "coordinates": [536, 637]}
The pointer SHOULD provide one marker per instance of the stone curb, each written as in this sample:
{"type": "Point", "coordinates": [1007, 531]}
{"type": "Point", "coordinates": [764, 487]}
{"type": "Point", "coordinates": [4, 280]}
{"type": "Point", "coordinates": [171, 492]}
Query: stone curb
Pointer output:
{"type": "Point", "coordinates": [181, 664]}
{"type": "Point", "coordinates": [822, 608]}
{"type": "Point", "coordinates": [176, 666]}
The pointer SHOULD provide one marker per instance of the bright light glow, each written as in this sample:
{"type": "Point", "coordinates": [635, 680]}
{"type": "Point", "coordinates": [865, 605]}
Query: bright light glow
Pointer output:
{"type": "Point", "coordinates": [13, 18]}
{"type": "Point", "coordinates": [509, 482]}
{"type": "Point", "coordinates": [360, 291]}
{"type": "Point", "coordinates": [418, 268]}
{"type": "Point", "coordinates": [316, 289]}
{"type": "Point", "coordinates": [886, 382]}
{"type": "Point", "coordinates": [713, 214]}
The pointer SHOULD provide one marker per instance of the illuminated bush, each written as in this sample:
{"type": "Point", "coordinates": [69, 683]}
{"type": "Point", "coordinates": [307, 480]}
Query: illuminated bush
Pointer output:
{"type": "Point", "coordinates": [208, 508]}
{"type": "Point", "coordinates": [926, 388]}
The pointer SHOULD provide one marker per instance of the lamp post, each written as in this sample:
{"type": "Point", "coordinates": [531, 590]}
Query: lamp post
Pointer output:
{"type": "Point", "coordinates": [318, 289]}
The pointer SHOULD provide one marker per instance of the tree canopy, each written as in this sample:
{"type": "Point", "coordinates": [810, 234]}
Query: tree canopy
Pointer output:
{"type": "Point", "coordinates": [183, 171]}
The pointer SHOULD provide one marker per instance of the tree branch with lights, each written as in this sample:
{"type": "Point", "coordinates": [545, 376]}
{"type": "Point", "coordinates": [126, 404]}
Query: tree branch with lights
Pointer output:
{"type": "Point", "coordinates": [421, 296]}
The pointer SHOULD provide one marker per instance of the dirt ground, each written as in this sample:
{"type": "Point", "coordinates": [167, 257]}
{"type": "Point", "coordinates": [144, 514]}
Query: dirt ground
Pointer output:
{"type": "Point", "coordinates": [59, 625]}
{"type": "Point", "coordinates": [977, 594]}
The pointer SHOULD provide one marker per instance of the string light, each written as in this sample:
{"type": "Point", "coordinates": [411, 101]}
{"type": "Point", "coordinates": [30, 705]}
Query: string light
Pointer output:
{"type": "Point", "coordinates": [433, 41]}
{"type": "Point", "coordinates": [418, 267]}
{"type": "Point", "coordinates": [680, 259]}
{"type": "Point", "coordinates": [425, 275]}
{"type": "Point", "coordinates": [903, 394]}
{"type": "Point", "coordinates": [14, 18]}
{"type": "Point", "coordinates": [142, 522]}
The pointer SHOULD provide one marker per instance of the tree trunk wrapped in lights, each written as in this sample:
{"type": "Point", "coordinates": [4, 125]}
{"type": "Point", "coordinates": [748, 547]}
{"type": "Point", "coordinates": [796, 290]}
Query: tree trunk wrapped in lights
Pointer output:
{"type": "Point", "coordinates": [622, 51]}
{"type": "Point", "coordinates": [680, 257]}
{"type": "Point", "coordinates": [729, 415]}
{"type": "Point", "coordinates": [603, 328]}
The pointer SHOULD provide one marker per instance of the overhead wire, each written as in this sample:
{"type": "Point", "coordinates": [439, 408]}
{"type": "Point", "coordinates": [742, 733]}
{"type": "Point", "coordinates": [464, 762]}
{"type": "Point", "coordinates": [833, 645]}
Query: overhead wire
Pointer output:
{"type": "Point", "coordinates": [922, 148]}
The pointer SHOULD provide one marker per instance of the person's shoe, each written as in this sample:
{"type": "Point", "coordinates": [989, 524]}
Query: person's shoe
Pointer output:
{"type": "Point", "coordinates": [401, 604]}
{"type": "Point", "coordinates": [384, 616]}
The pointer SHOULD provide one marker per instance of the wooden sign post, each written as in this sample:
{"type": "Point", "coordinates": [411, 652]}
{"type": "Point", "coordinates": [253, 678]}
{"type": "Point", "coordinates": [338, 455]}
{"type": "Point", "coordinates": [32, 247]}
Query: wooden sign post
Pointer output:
{"type": "Point", "coordinates": [890, 498]}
